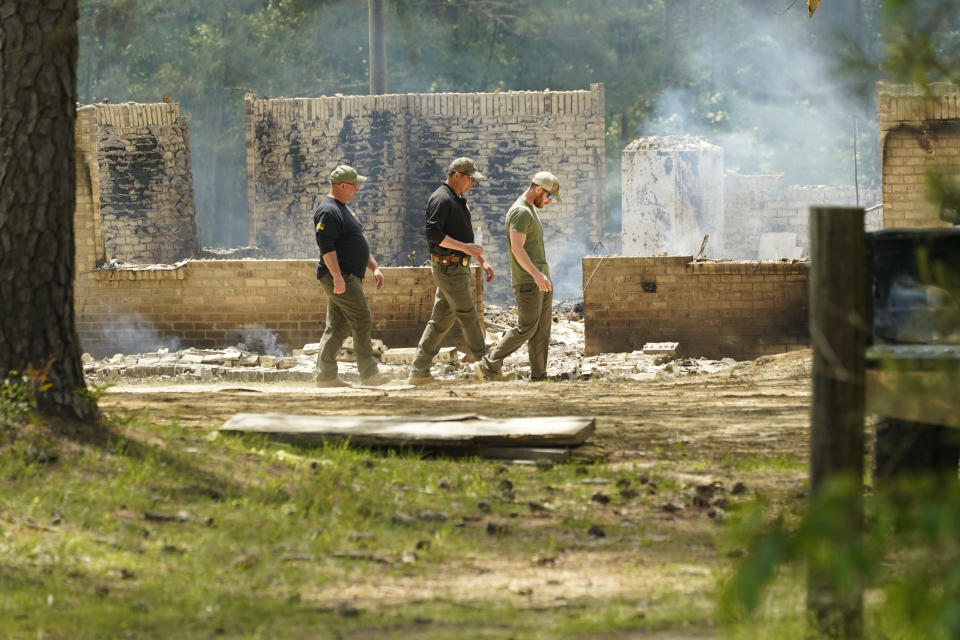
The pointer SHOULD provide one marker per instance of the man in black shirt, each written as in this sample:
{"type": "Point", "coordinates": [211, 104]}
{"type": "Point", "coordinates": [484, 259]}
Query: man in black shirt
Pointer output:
{"type": "Point", "coordinates": [450, 235]}
{"type": "Point", "coordinates": [345, 257]}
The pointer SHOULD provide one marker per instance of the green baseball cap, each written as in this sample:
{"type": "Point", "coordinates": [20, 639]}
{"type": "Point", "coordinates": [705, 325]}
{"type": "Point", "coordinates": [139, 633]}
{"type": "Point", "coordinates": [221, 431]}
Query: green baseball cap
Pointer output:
{"type": "Point", "coordinates": [549, 182]}
{"type": "Point", "coordinates": [346, 173]}
{"type": "Point", "coordinates": [465, 165]}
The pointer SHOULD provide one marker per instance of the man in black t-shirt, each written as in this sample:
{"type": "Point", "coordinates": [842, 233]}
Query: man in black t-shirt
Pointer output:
{"type": "Point", "coordinates": [345, 257]}
{"type": "Point", "coordinates": [450, 235]}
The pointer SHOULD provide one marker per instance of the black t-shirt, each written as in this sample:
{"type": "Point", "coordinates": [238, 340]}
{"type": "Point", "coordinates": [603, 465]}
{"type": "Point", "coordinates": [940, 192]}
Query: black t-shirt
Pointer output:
{"type": "Point", "coordinates": [338, 229]}
{"type": "Point", "coordinates": [447, 215]}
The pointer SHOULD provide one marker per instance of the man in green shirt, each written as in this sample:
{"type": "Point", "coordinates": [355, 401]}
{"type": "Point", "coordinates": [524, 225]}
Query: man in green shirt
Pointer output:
{"type": "Point", "coordinates": [530, 277]}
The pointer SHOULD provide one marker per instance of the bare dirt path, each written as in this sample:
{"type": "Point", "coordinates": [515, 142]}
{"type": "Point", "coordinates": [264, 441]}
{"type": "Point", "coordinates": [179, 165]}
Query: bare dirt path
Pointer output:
{"type": "Point", "coordinates": [757, 406]}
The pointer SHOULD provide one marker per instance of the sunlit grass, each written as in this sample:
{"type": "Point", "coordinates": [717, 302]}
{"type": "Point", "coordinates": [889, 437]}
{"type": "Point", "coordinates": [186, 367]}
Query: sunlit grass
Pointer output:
{"type": "Point", "coordinates": [144, 530]}
{"type": "Point", "coordinates": [761, 463]}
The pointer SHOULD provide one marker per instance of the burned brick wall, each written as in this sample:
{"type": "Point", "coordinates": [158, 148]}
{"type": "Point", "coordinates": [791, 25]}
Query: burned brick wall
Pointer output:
{"type": "Point", "coordinates": [88, 243]}
{"type": "Point", "coordinates": [738, 310]}
{"type": "Point", "coordinates": [296, 144]}
{"type": "Point", "coordinates": [767, 219]}
{"type": "Point", "coordinates": [404, 143]}
{"type": "Point", "coordinates": [143, 186]}
{"type": "Point", "coordinates": [215, 303]}
{"type": "Point", "coordinates": [919, 134]}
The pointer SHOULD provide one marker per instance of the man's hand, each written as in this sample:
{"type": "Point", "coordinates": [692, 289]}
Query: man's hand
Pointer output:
{"type": "Point", "coordinates": [339, 286]}
{"type": "Point", "coordinates": [488, 270]}
{"type": "Point", "coordinates": [378, 276]}
{"type": "Point", "coordinates": [475, 251]}
{"type": "Point", "coordinates": [543, 282]}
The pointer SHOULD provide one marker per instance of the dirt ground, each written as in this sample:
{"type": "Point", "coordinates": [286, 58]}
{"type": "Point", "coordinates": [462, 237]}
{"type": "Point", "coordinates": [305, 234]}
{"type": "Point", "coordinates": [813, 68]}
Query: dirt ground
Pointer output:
{"type": "Point", "coordinates": [751, 407]}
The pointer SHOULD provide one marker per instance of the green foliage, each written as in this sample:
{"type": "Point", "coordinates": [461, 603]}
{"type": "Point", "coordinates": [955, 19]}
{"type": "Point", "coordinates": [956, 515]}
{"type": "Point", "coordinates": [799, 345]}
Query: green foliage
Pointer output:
{"type": "Point", "coordinates": [755, 462]}
{"type": "Point", "coordinates": [943, 189]}
{"type": "Point", "coordinates": [19, 393]}
{"type": "Point", "coordinates": [15, 401]}
{"type": "Point", "coordinates": [907, 558]}
{"type": "Point", "coordinates": [923, 40]}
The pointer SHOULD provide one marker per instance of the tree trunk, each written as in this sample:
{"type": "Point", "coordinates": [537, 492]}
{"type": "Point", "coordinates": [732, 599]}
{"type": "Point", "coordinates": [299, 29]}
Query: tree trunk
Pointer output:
{"type": "Point", "coordinates": [38, 92]}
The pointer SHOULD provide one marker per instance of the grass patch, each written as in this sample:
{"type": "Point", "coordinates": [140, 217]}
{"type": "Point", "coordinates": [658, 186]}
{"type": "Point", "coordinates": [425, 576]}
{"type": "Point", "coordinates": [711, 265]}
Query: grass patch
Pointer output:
{"type": "Point", "coordinates": [144, 530]}
{"type": "Point", "coordinates": [763, 463]}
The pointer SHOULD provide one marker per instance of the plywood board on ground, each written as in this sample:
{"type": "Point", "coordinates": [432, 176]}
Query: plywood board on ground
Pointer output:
{"type": "Point", "coordinates": [444, 431]}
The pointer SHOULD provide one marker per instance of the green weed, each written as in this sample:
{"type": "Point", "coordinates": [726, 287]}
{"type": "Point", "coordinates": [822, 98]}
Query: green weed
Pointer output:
{"type": "Point", "coordinates": [19, 392]}
{"type": "Point", "coordinates": [762, 463]}
{"type": "Point", "coordinates": [907, 559]}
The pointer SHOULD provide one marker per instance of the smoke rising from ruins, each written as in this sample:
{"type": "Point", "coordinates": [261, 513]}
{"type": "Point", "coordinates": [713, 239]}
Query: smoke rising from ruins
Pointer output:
{"type": "Point", "coordinates": [260, 339]}
{"type": "Point", "coordinates": [134, 334]}
{"type": "Point", "coordinates": [804, 96]}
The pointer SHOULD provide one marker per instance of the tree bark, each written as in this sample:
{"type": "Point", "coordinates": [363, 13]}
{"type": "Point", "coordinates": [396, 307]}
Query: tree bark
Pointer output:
{"type": "Point", "coordinates": [38, 93]}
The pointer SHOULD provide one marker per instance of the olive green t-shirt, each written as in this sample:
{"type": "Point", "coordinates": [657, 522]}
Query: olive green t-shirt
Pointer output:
{"type": "Point", "coordinates": [523, 217]}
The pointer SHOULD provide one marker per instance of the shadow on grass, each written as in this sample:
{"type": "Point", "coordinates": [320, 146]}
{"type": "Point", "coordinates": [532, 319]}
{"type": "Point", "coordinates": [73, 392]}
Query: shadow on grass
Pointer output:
{"type": "Point", "coordinates": [106, 435]}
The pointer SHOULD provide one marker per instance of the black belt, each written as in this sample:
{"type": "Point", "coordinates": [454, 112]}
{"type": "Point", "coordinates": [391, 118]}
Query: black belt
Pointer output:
{"type": "Point", "coordinates": [448, 260]}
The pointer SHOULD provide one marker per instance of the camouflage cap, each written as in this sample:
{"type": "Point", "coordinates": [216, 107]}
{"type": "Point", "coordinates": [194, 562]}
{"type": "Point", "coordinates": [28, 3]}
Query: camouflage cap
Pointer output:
{"type": "Point", "coordinates": [465, 165]}
{"type": "Point", "coordinates": [549, 182]}
{"type": "Point", "coordinates": [346, 173]}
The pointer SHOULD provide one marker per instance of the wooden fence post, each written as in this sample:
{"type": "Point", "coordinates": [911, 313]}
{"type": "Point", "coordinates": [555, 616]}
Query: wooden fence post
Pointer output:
{"type": "Point", "coordinates": [839, 325]}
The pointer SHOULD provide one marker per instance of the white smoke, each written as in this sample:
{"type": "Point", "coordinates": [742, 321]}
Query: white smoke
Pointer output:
{"type": "Point", "coordinates": [779, 103]}
{"type": "Point", "coordinates": [132, 334]}
{"type": "Point", "coordinates": [259, 339]}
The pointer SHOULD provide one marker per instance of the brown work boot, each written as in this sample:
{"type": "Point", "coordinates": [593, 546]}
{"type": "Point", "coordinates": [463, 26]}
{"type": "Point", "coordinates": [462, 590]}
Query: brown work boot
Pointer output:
{"type": "Point", "coordinates": [478, 371]}
{"type": "Point", "coordinates": [375, 380]}
{"type": "Point", "coordinates": [418, 379]}
{"type": "Point", "coordinates": [490, 376]}
{"type": "Point", "coordinates": [325, 383]}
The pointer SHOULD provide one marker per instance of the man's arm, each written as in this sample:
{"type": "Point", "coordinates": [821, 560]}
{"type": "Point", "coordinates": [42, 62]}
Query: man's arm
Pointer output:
{"type": "Point", "coordinates": [327, 231]}
{"type": "Point", "coordinates": [517, 238]}
{"type": "Point", "coordinates": [473, 250]}
{"type": "Point", "coordinates": [375, 270]}
{"type": "Point", "coordinates": [330, 259]}
{"type": "Point", "coordinates": [438, 211]}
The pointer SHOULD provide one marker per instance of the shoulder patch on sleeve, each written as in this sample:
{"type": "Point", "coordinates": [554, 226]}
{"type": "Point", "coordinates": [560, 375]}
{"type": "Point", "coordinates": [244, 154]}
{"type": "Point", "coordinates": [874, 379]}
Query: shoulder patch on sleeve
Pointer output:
{"type": "Point", "coordinates": [319, 226]}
